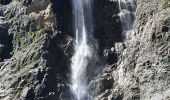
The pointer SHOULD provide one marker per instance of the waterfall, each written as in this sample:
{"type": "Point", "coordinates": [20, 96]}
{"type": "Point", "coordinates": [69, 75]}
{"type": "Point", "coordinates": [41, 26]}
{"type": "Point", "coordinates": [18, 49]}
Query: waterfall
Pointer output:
{"type": "Point", "coordinates": [84, 55]}
{"type": "Point", "coordinates": [83, 50]}
{"type": "Point", "coordinates": [127, 10]}
{"type": "Point", "coordinates": [127, 13]}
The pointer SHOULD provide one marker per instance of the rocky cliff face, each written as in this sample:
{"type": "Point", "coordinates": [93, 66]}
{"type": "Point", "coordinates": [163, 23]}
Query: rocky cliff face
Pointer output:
{"type": "Point", "coordinates": [36, 45]}
{"type": "Point", "coordinates": [34, 57]}
{"type": "Point", "coordinates": [142, 70]}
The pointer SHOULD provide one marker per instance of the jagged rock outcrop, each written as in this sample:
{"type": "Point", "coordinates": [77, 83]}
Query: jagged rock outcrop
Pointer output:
{"type": "Point", "coordinates": [34, 54]}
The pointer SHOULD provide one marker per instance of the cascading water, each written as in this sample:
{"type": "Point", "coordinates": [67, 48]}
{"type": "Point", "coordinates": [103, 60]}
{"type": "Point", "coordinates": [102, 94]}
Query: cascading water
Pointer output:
{"type": "Point", "coordinates": [127, 10]}
{"type": "Point", "coordinates": [83, 51]}
{"type": "Point", "coordinates": [127, 13]}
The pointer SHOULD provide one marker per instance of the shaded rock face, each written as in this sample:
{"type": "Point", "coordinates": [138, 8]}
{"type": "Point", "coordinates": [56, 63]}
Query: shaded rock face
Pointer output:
{"type": "Point", "coordinates": [63, 10]}
{"type": "Point", "coordinates": [107, 24]}
{"type": "Point", "coordinates": [5, 2]}
{"type": "Point", "coordinates": [36, 46]}
{"type": "Point", "coordinates": [5, 41]}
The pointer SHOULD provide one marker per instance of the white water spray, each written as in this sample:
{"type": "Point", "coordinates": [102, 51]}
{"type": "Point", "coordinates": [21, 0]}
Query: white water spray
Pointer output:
{"type": "Point", "coordinates": [83, 51]}
{"type": "Point", "coordinates": [127, 10]}
{"type": "Point", "coordinates": [127, 14]}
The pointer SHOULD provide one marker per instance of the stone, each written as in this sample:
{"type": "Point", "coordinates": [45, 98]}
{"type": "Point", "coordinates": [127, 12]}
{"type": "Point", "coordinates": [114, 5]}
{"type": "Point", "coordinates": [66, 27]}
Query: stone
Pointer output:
{"type": "Point", "coordinates": [100, 85]}
{"type": "Point", "coordinates": [110, 56]}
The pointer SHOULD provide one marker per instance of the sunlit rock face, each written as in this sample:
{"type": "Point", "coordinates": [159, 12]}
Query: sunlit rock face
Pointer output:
{"type": "Point", "coordinates": [42, 12]}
